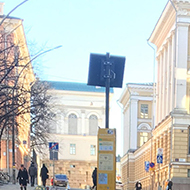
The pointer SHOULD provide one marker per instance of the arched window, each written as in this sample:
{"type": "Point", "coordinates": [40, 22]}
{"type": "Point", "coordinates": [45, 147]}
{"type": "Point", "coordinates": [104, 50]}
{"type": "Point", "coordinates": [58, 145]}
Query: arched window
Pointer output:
{"type": "Point", "coordinates": [93, 125]}
{"type": "Point", "coordinates": [72, 128]}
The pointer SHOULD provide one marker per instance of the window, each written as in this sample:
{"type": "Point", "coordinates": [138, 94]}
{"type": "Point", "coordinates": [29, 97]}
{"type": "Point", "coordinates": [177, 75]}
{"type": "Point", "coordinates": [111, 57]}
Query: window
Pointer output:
{"type": "Point", "coordinates": [144, 110]}
{"type": "Point", "coordinates": [72, 149]}
{"type": "Point", "coordinates": [53, 154]}
{"type": "Point", "coordinates": [188, 173]}
{"type": "Point", "coordinates": [93, 150]}
{"type": "Point", "coordinates": [72, 124]}
{"type": "Point", "coordinates": [143, 138]}
{"type": "Point", "coordinates": [93, 125]}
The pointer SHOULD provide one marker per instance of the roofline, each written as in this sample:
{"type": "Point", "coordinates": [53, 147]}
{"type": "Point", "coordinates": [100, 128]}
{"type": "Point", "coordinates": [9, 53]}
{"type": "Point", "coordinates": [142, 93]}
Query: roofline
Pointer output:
{"type": "Point", "coordinates": [10, 17]}
{"type": "Point", "coordinates": [140, 84]}
{"type": "Point", "coordinates": [158, 21]}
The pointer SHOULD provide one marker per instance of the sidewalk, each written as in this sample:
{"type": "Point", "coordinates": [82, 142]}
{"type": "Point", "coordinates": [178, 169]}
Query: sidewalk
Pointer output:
{"type": "Point", "coordinates": [15, 187]}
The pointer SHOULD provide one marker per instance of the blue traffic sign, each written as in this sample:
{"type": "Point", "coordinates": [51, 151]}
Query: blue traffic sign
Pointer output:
{"type": "Point", "coordinates": [54, 146]}
{"type": "Point", "coordinates": [147, 166]}
{"type": "Point", "coordinates": [159, 159]}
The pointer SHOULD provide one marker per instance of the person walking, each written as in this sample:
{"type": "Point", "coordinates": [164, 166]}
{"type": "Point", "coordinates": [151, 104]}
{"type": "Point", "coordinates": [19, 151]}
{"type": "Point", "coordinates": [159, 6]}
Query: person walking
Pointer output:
{"type": "Point", "coordinates": [94, 177]}
{"type": "Point", "coordinates": [33, 173]}
{"type": "Point", "coordinates": [44, 174]}
{"type": "Point", "coordinates": [138, 185]}
{"type": "Point", "coordinates": [170, 184]}
{"type": "Point", "coordinates": [22, 177]}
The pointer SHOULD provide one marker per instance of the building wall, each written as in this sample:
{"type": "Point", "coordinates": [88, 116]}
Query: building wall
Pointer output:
{"type": "Point", "coordinates": [134, 124]}
{"type": "Point", "coordinates": [22, 130]}
{"type": "Point", "coordinates": [172, 105]}
{"type": "Point", "coordinates": [79, 166]}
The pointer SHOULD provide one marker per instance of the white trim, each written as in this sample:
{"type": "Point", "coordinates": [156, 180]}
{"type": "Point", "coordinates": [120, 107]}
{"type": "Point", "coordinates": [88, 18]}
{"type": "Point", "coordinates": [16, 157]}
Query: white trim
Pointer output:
{"type": "Point", "coordinates": [93, 113]}
{"type": "Point", "coordinates": [74, 112]}
{"type": "Point", "coordinates": [181, 163]}
{"type": "Point", "coordinates": [143, 120]}
{"type": "Point", "coordinates": [146, 125]}
{"type": "Point", "coordinates": [144, 98]}
{"type": "Point", "coordinates": [182, 128]}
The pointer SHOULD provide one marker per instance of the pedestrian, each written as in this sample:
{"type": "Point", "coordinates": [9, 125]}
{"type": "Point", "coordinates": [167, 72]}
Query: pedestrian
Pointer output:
{"type": "Point", "coordinates": [33, 173]}
{"type": "Point", "coordinates": [22, 177]}
{"type": "Point", "coordinates": [51, 181]}
{"type": "Point", "coordinates": [138, 185]}
{"type": "Point", "coordinates": [170, 184]}
{"type": "Point", "coordinates": [94, 178]}
{"type": "Point", "coordinates": [44, 174]}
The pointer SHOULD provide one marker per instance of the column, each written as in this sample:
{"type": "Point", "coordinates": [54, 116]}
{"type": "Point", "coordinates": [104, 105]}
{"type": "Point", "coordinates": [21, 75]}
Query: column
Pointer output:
{"type": "Point", "coordinates": [168, 79]}
{"type": "Point", "coordinates": [157, 92]}
{"type": "Point", "coordinates": [172, 71]}
{"type": "Point", "coordinates": [133, 126]}
{"type": "Point", "coordinates": [160, 88]}
{"type": "Point", "coordinates": [169, 75]}
{"type": "Point", "coordinates": [164, 84]}
{"type": "Point", "coordinates": [181, 67]}
{"type": "Point", "coordinates": [83, 122]}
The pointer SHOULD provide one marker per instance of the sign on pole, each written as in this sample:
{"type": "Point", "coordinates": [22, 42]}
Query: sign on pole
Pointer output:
{"type": "Point", "coordinates": [54, 146]}
{"type": "Point", "coordinates": [106, 173]}
{"type": "Point", "coordinates": [160, 151]}
{"type": "Point", "coordinates": [147, 166]}
{"type": "Point", "coordinates": [160, 155]}
{"type": "Point", "coordinates": [159, 159]}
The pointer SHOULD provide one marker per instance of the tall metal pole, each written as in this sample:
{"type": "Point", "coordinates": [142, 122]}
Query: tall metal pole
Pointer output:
{"type": "Point", "coordinates": [53, 168]}
{"type": "Point", "coordinates": [107, 78]}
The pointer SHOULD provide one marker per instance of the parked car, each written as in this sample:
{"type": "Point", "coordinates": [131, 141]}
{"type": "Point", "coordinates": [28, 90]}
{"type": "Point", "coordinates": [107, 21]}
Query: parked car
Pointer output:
{"type": "Point", "coordinates": [61, 180]}
{"type": "Point", "coordinates": [119, 185]}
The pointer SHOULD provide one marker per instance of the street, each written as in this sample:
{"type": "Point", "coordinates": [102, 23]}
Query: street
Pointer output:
{"type": "Point", "coordinates": [16, 187]}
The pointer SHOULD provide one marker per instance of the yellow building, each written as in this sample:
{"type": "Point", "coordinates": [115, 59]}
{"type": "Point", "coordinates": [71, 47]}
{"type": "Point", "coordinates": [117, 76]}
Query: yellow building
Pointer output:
{"type": "Point", "coordinates": [171, 131]}
{"type": "Point", "coordinates": [12, 38]}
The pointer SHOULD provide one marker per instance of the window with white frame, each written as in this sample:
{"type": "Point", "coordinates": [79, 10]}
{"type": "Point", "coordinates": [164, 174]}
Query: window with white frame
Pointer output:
{"type": "Point", "coordinates": [93, 125]}
{"type": "Point", "coordinates": [144, 111]}
{"type": "Point", "coordinates": [143, 138]}
{"type": "Point", "coordinates": [72, 124]}
{"type": "Point", "coordinates": [92, 150]}
{"type": "Point", "coordinates": [72, 148]}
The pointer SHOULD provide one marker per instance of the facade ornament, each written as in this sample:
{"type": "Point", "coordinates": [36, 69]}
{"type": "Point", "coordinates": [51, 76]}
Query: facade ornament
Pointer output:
{"type": "Point", "coordinates": [183, 12]}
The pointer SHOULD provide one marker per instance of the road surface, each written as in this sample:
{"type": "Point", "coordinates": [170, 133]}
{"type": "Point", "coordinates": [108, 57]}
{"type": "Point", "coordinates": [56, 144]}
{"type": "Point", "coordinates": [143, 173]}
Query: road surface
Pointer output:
{"type": "Point", "coordinates": [16, 187]}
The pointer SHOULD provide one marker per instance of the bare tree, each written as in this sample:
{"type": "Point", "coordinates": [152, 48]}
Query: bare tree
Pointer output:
{"type": "Point", "coordinates": [19, 96]}
{"type": "Point", "coordinates": [42, 115]}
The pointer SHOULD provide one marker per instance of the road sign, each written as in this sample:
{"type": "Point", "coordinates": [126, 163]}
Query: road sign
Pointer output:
{"type": "Point", "coordinates": [147, 165]}
{"type": "Point", "coordinates": [159, 159]}
{"type": "Point", "coordinates": [54, 146]}
{"type": "Point", "coordinates": [160, 151]}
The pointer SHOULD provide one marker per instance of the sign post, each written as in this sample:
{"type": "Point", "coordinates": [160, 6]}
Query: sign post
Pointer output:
{"type": "Point", "coordinates": [106, 173]}
{"type": "Point", "coordinates": [54, 147]}
{"type": "Point", "coordinates": [159, 161]}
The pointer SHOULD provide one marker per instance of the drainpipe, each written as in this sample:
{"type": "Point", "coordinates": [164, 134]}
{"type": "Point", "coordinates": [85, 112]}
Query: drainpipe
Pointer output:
{"type": "Point", "coordinates": [174, 82]}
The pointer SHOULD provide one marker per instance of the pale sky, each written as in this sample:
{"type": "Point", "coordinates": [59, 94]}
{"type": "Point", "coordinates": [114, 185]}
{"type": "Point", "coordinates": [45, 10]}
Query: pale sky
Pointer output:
{"type": "Point", "coordinates": [120, 27]}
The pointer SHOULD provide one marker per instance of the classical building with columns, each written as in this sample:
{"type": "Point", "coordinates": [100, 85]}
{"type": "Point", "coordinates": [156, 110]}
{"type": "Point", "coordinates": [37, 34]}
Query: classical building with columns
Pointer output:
{"type": "Point", "coordinates": [171, 132]}
{"type": "Point", "coordinates": [137, 109]}
{"type": "Point", "coordinates": [80, 110]}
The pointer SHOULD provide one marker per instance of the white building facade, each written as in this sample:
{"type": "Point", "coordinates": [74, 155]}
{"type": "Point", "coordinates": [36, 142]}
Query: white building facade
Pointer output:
{"type": "Point", "coordinates": [137, 115]}
{"type": "Point", "coordinates": [80, 110]}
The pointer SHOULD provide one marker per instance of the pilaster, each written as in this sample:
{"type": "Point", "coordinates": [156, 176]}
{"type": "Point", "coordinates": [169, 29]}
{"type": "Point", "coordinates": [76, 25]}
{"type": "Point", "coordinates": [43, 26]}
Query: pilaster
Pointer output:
{"type": "Point", "coordinates": [133, 126]}
{"type": "Point", "coordinates": [181, 67]}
